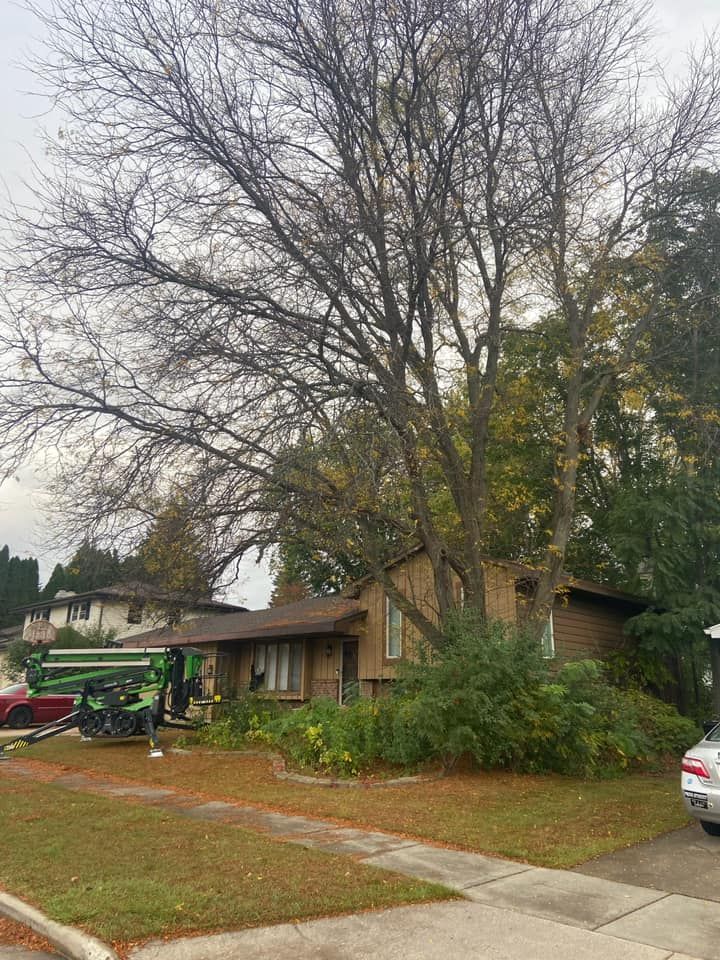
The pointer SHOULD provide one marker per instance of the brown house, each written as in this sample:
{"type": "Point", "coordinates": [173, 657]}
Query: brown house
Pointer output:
{"type": "Point", "coordinates": [341, 645]}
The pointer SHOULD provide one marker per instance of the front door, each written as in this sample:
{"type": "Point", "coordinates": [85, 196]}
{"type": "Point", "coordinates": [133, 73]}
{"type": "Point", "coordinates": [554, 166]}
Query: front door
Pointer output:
{"type": "Point", "coordinates": [349, 687]}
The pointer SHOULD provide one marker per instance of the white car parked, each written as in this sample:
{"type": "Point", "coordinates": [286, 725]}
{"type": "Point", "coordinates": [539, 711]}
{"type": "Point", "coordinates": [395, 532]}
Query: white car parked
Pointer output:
{"type": "Point", "coordinates": [701, 781]}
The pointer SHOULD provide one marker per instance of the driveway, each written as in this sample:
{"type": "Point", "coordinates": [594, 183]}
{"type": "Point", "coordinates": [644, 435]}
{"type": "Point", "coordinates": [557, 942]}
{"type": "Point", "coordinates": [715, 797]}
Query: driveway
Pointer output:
{"type": "Point", "coordinates": [686, 861]}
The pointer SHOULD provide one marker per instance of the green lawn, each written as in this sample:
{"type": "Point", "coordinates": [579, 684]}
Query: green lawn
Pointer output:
{"type": "Point", "coordinates": [546, 820]}
{"type": "Point", "coordinates": [125, 872]}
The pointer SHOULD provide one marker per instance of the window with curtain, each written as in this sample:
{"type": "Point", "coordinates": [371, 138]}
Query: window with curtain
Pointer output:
{"type": "Point", "coordinates": [280, 665]}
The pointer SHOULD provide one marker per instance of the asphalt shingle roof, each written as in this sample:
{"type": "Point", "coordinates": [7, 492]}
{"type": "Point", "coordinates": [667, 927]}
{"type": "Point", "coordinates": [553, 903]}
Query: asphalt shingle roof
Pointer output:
{"type": "Point", "coordinates": [317, 615]}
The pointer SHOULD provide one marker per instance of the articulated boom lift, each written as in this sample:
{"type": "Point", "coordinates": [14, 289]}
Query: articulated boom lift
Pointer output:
{"type": "Point", "coordinates": [118, 692]}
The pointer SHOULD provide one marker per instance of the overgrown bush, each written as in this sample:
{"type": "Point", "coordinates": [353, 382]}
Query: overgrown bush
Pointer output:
{"type": "Point", "coordinates": [581, 724]}
{"type": "Point", "coordinates": [487, 695]}
{"type": "Point", "coordinates": [468, 698]}
{"type": "Point", "coordinates": [238, 722]}
{"type": "Point", "coordinates": [324, 736]}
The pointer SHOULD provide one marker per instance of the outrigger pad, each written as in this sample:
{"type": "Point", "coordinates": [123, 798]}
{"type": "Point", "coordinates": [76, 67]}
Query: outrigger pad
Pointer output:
{"type": "Point", "coordinates": [19, 744]}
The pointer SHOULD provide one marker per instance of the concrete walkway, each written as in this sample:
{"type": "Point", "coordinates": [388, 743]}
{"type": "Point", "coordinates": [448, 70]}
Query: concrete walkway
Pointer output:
{"type": "Point", "coordinates": [510, 911]}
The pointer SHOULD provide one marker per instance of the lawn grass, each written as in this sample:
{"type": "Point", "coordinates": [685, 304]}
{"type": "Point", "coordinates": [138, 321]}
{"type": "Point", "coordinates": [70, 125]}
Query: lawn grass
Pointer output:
{"type": "Point", "coordinates": [545, 820]}
{"type": "Point", "coordinates": [125, 872]}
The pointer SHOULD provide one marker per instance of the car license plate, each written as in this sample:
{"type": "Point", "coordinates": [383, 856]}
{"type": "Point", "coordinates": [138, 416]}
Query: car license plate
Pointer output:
{"type": "Point", "coordinates": [697, 799]}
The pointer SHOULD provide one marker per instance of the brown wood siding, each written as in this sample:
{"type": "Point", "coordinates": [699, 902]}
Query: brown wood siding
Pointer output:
{"type": "Point", "coordinates": [500, 599]}
{"type": "Point", "coordinates": [322, 666]}
{"type": "Point", "coordinates": [372, 644]}
{"type": "Point", "coordinates": [585, 628]}
{"type": "Point", "coordinates": [415, 579]}
{"type": "Point", "coordinates": [238, 658]}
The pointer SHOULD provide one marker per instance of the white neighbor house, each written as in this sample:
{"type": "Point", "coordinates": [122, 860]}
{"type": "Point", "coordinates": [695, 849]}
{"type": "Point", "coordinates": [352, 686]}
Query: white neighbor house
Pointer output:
{"type": "Point", "coordinates": [126, 609]}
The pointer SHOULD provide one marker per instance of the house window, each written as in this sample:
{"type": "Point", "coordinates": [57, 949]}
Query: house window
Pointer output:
{"type": "Point", "coordinates": [548, 639]}
{"type": "Point", "coordinates": [40, 614]}
{"type": "Point", "coordinates": [78, 611]}
{"type": "Point", "coordinates": [393, 631]}
{"type": "Point", "coordinates": [278, 666]}
{"type": "Point", "coordinates": [135, 612]}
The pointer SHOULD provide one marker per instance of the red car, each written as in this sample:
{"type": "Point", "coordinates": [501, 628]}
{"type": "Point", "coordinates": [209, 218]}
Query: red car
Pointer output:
{"type": "Point", "coordinates": [19, 710]}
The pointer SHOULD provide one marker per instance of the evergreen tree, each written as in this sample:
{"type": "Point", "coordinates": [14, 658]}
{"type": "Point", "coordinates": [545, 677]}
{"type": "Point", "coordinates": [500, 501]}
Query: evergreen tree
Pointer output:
{"type": "Point", "coordinates": [58, 581]}
{"type": "Point", "coordinates": [18, 585]}
{"type": "Point", "coordinates": [91, 568]}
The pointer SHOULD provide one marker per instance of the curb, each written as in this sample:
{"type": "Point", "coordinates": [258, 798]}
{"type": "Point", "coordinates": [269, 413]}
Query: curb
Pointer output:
{"type": "Point", "coordinates": [68, 941]}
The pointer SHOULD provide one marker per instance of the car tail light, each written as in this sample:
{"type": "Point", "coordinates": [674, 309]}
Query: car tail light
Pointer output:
{"type": "Point", "coordinates": [696, 766]}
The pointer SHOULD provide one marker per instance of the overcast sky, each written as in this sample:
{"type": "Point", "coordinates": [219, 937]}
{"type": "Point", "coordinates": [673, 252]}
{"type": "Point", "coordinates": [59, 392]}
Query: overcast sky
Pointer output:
{"type": "Point", "coordinates": [679, 23]}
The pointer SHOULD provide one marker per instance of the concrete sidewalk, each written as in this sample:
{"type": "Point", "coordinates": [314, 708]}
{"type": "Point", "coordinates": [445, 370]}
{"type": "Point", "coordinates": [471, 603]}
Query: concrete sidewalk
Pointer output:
{"type": "Point", "coordinates": [510, 911]}
{"type": "Point", "coordinates": [445, 931]}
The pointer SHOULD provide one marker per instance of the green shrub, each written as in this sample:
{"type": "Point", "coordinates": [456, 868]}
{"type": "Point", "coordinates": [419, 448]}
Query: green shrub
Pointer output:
{"type": "Point", "coordinates": [404, 741]}
{"type": "Point", "coordinates": [469, 697]}
{"type": "Point", "coordinates": [486, 695]}
{"type": "Point", "coordinates": [239, 722]}
{"type": "Point", "coordinates": [321, 735]}
{"type": "Point", "coordinates": [585, 726]}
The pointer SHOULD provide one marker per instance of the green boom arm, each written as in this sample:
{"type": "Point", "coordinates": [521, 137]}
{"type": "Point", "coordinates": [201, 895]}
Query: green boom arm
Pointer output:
{"type": "Point", "coordinates": [118, 692]}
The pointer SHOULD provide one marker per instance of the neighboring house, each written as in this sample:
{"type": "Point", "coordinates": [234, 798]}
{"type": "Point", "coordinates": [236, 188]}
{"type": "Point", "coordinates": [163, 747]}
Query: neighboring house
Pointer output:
{"type": "Point", "coordinates": [338, 645]}
{"type": "Point", "coordinates": [126, 609]}
{"type": "Point", "coordinates": [7, 635]}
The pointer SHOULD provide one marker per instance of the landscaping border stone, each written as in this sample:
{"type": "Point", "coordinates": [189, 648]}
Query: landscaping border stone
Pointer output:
{"type": "Point", "coordinates": [280, 771]}
{"type": "Point", "coordinates": [70, 942]}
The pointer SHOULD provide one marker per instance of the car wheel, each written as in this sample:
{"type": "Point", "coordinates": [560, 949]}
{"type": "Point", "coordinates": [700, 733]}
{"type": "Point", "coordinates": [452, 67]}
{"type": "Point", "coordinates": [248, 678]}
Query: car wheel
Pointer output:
{"type": "Point", "coordinates": [21, 716]}
{"type": "Point", "coordinates": [712, 828]}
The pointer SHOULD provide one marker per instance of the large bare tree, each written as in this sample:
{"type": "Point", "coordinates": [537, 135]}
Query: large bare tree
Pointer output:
{"type": "Point", "coordinates": [269, 218]}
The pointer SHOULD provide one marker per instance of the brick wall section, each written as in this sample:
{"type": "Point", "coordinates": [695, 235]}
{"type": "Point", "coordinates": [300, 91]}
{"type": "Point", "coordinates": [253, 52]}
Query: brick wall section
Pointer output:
{"type": "Point", "coordinates": [324, 688]}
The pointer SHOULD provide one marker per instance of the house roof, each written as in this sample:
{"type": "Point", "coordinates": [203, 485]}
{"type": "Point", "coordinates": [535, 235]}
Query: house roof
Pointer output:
{"type": "Point", "coordinates": [311, 617]}
{"type": "Point", "coordinates": [324, 615]}
{"type": "Point", "coordinates": [132, 590]}
{"type": "Point", "coordinates": [521, 571]}
{"type": "Point", "coordinates": [577, 584]}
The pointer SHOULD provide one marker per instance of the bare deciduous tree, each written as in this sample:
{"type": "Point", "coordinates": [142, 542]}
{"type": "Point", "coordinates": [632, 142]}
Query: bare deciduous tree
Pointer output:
{"type": "Point", "coordinates": [271, 216]}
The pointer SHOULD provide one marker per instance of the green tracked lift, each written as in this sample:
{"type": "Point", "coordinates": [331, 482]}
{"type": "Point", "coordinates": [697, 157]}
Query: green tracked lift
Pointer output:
{"type": "Point", "coordinates": [118, 692]}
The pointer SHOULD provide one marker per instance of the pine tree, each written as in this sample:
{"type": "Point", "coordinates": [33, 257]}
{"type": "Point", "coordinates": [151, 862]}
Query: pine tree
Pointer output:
{"type": "Point", "coordinates": [58, 581]}
{"type": "Point", "coordinates": [18, 585]}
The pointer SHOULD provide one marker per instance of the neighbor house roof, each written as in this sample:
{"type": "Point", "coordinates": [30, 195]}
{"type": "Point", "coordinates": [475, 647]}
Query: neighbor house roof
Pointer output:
{"type": "Point", "coordinates": [132, 590]}
{"type": "Point", "coordinates": [311, 617]}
